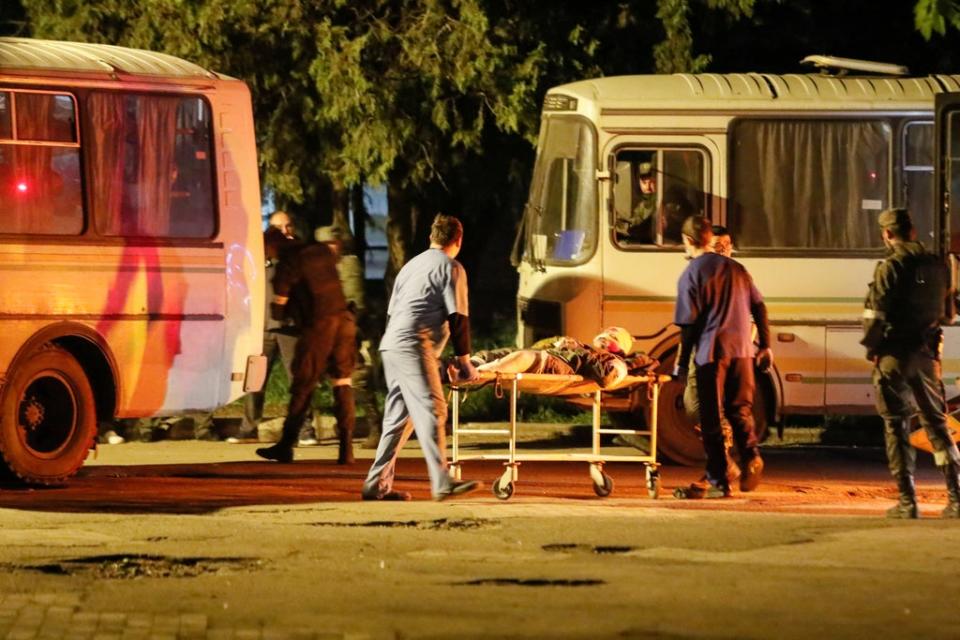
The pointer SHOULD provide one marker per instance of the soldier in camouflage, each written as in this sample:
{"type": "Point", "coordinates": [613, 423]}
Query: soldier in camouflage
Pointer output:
{"type": "Point", "coordinates": [907, 301]}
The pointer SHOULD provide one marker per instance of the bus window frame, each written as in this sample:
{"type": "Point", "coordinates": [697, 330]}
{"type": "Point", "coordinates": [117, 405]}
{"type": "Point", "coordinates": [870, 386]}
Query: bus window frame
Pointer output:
{"type": "Point", "coordinates": [902, 169]}
{"type": "Point", "coordinates": [539, 180]}
{"type": "Point", "coordinates": [890, 118]}
{"type": "Point", "coordinates": [163, 241]}
{"type": "Point", "coordinates": [47, 238]}
{"type": "Point", "coordinates": [708, 195]}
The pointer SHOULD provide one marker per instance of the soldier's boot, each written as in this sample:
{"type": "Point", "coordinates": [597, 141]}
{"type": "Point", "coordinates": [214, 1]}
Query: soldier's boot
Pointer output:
{"type": "Point", "coordinates": [346, 417]}
{"type": "Point", "coordinates": [906, 507]}
{"type": "Point", "coordinates": [952, 476]}
{"type": "Point", "coordinates": [283, 450]}
{"type": "Point", "coordinates": [901, 461]}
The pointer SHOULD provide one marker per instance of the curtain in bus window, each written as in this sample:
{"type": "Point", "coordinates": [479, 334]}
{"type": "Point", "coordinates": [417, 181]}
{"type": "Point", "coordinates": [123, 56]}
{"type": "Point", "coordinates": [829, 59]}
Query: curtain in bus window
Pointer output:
{"type": "Point", "coordinates": [133, 166]}
{"type": "Point", "coordinates": [105, 150]}
{"type": "Point", "coordinates": [918, 179]}
{"type": "Point", "coordinates": [809, 183]}
{"type": "Point", "coordinates": [40, 190]}
{"type": "Point", "coordinates": [6, 118]}
{"type": "Point", "coordinates": [45, 117]}
{"type": "Point", "coordinates": [156, 171]}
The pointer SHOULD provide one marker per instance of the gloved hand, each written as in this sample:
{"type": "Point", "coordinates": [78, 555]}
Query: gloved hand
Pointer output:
{"type": "Point", "coordinates": [679, 373]}
{"type": "Point", "coordinates": [764, 360]}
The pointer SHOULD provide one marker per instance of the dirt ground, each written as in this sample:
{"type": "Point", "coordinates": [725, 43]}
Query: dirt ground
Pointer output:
{"type": "Point", "coordinates": [198, 539]}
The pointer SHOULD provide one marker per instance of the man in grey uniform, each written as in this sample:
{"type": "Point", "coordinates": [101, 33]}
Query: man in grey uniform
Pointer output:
{"type": "Point", "coordinates": [428, 305]}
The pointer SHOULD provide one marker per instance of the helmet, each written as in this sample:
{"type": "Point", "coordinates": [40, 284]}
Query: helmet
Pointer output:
{"type": "Point", "coordinates": [615, 340]}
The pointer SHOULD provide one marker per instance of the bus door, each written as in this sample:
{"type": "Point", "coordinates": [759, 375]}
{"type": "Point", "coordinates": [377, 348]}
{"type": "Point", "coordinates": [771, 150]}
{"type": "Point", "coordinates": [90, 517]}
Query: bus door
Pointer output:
{"type": "Point", "coordinates": [947, 218]}
{"type": "Point", "coordinates": [655, 183]}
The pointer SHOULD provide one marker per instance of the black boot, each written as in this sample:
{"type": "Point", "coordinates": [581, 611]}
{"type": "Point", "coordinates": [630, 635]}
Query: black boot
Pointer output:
{"type": "Point", "coordinates": [952, 477]}
{"type": "Point", "coordinates": [901, 459]}
{"type": "Point", "coordinates": [283, 450]}
{"type": "Point", "coordinates": [346, 417]}
{"type": "Point", "coordinates": [906, 507]}
{"type": "Point", "coordinates": [279, 452]}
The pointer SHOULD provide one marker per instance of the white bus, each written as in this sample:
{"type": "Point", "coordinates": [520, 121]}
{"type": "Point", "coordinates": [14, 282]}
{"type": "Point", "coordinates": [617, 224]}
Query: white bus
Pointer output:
{"type": "Point", "coordinates": [797, 167]}
{"type": "Point", "coordinates": [130, 245]}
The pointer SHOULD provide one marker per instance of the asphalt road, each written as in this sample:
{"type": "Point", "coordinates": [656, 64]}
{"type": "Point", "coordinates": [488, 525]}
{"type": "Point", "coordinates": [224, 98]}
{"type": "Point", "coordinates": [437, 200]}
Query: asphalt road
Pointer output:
{"type": "Point", "coordinates": [199, 540]}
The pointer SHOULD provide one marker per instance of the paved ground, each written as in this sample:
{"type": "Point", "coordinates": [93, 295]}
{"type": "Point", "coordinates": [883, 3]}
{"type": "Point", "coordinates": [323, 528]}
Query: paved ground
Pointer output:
{"type": "Point", "coordinates": [199, 540]}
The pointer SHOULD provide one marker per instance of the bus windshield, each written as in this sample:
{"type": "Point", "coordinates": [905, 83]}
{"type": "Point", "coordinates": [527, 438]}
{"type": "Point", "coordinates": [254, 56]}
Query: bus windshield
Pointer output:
{"type": "Point", "coordinates": [561, 217]}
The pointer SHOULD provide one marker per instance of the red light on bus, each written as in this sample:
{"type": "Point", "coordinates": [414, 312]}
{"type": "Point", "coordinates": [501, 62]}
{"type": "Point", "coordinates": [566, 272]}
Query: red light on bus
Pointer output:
{"type": "Point", "coordinates": [22, 186]}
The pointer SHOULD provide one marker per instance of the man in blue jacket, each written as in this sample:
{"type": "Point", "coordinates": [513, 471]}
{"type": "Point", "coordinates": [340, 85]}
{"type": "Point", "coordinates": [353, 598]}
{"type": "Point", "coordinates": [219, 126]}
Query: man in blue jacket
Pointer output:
{"type": "Point", "coordinates": [716, 300]}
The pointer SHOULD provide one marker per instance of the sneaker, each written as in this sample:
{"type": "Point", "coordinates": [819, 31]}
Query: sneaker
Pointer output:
{"type": "Point", "coordinates": [309, 441]}
{"type": "Point", "coordinates": [240, 439]}
{"type": "Point", "coordinates": [702, 489]}
{"type": "Point", "coordinates": [112, 437]}
{"type": "Point", "coordinates": [459, 488]}
{"type": "Point", "coordinates": [277, 452]}
{"type": "Point", "coordinates": [390, 496]}
{"type": "Point", "coordinates": [752, 472]}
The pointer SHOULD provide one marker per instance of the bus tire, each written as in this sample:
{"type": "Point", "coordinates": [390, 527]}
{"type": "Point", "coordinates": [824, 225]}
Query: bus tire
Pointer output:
{"type": "Point", "coordinates": [678, 436]}
{"type": "Point", "coordinates": [47, 417]}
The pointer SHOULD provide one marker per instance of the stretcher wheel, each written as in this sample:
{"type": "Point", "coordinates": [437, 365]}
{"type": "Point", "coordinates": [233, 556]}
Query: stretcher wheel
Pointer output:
{"type": "Point", "coordinates": [502, 490]}
{"type": "Point", "coordinates": [653, 483]}
{"type": "Point", "coordinates": [606, 488]}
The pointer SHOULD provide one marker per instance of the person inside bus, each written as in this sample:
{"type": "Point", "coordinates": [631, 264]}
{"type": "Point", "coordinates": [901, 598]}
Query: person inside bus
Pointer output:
{"type": "Point", "coordinates": [716, 299]}
{"type": "Point", "coordinates": [640, 223]}
{"type": "Point", "coordinates": [651, 220]}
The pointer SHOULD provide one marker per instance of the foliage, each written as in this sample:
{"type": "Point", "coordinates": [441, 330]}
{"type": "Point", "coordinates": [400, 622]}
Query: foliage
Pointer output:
{"type": "Point", "coordinates": [933, 16]}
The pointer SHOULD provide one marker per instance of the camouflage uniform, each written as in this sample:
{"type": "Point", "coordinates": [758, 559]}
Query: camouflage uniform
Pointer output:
{"type": "Point", "coordinates": [906, 302]}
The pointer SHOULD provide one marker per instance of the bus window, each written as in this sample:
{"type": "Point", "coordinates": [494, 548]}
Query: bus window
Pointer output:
{"type": "Point", "coordinates": [40, 190]}
{"type": "Point", "coordinates": [654, 191]}
{"type": "Point", "coordinates": [6, 119]}
{"type": "Point", "coordinates": [918, 178]}
{"type": "Point", "coordinates": [562, 228]}
{"type": "Point", "coordinates": [151, 166]}
{"type": "Point", "coordinates": [809, 184]}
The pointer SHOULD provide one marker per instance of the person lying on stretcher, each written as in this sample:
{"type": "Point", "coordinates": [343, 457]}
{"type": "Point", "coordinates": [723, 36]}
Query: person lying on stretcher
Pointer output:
{"type": "Point", "coordinates": [607, 361]}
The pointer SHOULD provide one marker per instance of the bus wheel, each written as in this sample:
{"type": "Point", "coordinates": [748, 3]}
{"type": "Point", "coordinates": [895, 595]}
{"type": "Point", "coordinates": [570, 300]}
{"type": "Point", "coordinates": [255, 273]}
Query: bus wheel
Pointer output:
{"type": "Point", "coordinates": [678, 436]}
{"type": "Point", "coordinates": [47, 417]}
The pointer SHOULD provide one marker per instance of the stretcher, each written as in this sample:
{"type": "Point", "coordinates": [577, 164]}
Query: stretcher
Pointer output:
{"type": "Point", "coordinates": [566, 386]}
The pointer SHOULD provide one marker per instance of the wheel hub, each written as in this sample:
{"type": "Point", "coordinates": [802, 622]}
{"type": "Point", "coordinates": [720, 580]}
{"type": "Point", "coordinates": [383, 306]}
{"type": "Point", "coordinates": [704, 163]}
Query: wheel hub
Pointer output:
{"type": "Point", "coordinates": [31, 413]}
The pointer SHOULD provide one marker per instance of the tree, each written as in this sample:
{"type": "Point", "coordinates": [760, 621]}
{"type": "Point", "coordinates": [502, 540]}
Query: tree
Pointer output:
{"type": "Point", "coordinates": [933, 16]}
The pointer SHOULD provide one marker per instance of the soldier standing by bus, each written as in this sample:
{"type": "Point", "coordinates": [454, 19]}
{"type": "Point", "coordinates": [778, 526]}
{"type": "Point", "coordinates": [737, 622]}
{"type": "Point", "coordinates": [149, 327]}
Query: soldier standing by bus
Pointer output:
{"type": "Point", "coordinates": [307, 287]}
{"type": "Point", "coordinates": [906, 303]}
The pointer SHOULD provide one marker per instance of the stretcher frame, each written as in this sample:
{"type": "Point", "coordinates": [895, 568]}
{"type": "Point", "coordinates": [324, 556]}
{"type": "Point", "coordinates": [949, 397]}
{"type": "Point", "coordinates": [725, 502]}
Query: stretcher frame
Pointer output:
{"type": "Point", "coordinates": [558, 385]}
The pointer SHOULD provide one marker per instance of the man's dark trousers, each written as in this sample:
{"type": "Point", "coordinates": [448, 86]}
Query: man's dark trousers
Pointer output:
{"type": "Point", "coordinates": [900, 381]}
{"type": "Point", "coordinates": [726, 387]}
{"type": "Point", "coordinates": [327, 347]}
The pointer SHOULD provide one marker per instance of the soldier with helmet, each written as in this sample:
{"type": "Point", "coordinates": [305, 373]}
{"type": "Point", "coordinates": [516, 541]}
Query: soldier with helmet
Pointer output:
{"type": "Point", "coordinates": [906, 303]}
